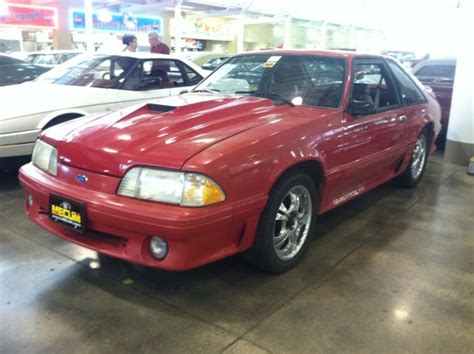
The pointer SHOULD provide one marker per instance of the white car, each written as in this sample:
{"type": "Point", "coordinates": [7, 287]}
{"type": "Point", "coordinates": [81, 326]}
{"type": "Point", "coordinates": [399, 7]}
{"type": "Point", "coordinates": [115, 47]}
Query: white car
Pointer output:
{"type": "Point", "coordinates": [87, 84]}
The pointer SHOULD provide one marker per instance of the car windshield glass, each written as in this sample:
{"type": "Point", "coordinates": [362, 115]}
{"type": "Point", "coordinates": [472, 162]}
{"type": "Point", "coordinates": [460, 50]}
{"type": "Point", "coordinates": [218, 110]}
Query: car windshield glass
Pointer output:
{"type": "Point", "coordinates": [104, 71]}
{"type": "Point", "coordinates": [313, 80]}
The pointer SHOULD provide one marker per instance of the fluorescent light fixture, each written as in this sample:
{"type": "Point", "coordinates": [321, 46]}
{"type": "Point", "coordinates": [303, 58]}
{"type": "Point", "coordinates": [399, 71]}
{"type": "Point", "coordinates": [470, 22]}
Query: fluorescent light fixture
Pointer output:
{"type": "Point", "coordinates": [4, 8]}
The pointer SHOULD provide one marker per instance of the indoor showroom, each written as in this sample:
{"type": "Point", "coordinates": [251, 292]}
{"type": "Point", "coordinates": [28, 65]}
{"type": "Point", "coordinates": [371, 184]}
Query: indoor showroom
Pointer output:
{"type": "Point", "coordinates": [236, 176]}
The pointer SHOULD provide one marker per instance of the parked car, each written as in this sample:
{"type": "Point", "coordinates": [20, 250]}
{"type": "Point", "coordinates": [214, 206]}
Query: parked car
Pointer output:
{"type": "Point", "coordinates": [52, 58]}
{"type": "Point", "coordinates": [244, 163]}
{"type": "Point", "coordinates": [87, 84]}
{"type": "Point", "coordinates": [439, 75]}
{"type": "Point", "coordinates": [15, 71]}
{"type": "Point", "coordinates": [404, 57]}
{"type": "Point", "coordinates": [202, 57]}
{"type": "Point", "coordinates": [213, 64]}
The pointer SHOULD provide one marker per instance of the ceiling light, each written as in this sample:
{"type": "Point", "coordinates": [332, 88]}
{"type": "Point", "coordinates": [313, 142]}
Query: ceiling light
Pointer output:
{"type": "Point", "coordinates": [104, 15]}
{"type": "Point", "coordinates": [4, 10]}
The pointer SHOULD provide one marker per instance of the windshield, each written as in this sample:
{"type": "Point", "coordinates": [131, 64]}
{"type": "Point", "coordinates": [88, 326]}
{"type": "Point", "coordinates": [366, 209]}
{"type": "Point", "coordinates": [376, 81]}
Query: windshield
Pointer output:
{"type": "Point", "coordinates": [105, 71]}
{"type": "Point", "coordinates": [44, 59]}
{"type": "Point", "coordinates": [314, 80]}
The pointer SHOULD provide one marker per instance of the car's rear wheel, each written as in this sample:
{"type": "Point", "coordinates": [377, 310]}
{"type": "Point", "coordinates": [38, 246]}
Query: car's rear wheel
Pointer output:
{"type": "Point", "coordinates": [286, 224]}
{"type": "Point", "coordinates": [416, 168]}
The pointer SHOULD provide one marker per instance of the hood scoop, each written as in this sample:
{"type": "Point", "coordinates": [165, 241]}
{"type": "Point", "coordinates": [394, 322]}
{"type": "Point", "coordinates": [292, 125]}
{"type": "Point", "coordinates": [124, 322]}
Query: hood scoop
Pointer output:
{"type": "Point", "coordinates": [160, 107]}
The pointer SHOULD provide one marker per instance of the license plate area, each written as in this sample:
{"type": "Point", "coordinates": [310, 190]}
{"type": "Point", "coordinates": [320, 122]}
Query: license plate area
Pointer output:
{"type": "Point", "coordinates": [68, 212]}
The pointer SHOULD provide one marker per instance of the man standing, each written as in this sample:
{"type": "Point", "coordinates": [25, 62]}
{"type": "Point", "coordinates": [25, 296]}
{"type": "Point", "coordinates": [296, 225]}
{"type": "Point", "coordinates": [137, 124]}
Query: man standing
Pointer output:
{"type": "Point", "coordinates": [156, 45]}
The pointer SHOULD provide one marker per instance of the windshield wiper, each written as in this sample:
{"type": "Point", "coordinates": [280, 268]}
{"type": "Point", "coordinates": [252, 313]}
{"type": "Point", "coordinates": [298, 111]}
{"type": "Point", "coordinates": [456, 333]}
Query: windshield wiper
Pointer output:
{"type": "Point", "coordinates": [209, 90]}
{"type": "Point", "coordinates": [270, 95]}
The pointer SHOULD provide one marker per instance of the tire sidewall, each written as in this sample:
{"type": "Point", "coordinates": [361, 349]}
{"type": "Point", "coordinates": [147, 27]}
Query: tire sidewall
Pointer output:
{"type": "Point", "coordinates": [264, 236]}
{"type": "Point", "coordinates": [414, 181]}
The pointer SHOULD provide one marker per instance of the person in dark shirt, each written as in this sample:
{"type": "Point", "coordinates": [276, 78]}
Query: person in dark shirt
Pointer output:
{"type": "Point", "coordinates": [157, 46]}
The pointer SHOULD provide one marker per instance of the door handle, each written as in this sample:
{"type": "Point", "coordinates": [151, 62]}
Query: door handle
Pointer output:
{"type": "Point", "coordinates": [402, 118]}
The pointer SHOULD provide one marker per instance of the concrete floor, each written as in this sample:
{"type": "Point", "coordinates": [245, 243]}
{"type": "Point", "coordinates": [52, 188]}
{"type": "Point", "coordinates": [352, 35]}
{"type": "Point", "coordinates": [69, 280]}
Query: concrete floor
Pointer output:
{"type": "Point", "coordinates": [389, 272]}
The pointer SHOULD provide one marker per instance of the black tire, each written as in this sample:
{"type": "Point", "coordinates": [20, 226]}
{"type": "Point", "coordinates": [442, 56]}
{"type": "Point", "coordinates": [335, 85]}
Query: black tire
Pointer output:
{"type": "Point", "coordinates": [412, 176]}
{"type": "Point", "coordinates": [263, 253]}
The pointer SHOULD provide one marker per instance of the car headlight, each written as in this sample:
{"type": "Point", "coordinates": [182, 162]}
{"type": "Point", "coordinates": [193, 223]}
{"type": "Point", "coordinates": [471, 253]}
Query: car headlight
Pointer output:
{"type": "Point", "coordinates": [182, 188]}
{"type": "Point", "coordinates": [45, 157]}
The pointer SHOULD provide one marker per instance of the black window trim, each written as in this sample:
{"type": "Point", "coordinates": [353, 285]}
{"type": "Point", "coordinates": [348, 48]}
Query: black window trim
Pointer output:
{"type": "Point", "coordinates": [425, 100]}
{"type": "Point", "coordinates": [384, 65]}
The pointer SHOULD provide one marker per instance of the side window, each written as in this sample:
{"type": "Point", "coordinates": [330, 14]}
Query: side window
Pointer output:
{"type": "Point", "coordinates": [326, 77]}
{"type": "Point", "coordinates": [372, 84]}
{"type": "Point", "coordinates": [410, 93]}
{"type": "Point", "coordinates": [164, 71]}
{"type": "Point", "coordinates": [437, 71]}
{"type": "Point", "coordinates": [193, 77]}
{"type": "Point", "coordinates": [109, 73]}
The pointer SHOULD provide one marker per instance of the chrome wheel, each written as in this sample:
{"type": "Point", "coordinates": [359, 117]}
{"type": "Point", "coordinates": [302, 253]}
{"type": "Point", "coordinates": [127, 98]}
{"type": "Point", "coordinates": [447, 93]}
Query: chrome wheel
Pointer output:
{"type": "Point", "coordinates": [418, 157]}
{"type": "Point", "coordinates": [292, 222]}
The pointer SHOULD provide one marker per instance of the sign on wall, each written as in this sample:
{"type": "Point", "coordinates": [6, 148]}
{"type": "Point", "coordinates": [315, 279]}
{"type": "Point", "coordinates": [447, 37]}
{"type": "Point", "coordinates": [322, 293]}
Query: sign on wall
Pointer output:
{"type": "Point", "coordinates": [118, 23]}
{"type": "Point", "coordinates": [28, 16]}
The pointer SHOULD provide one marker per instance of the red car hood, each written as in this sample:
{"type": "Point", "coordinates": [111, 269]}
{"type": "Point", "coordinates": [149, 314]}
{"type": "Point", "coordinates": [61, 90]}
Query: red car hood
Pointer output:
{"type": "Point", "coordinates": [165, 133]}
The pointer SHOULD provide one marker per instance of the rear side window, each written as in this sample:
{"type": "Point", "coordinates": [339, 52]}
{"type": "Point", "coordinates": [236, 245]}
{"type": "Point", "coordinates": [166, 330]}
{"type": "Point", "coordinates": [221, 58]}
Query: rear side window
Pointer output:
{"type": "Point", "coordinates": [437, 71]}
{"type": "Point", "coordinates": [410, 93]}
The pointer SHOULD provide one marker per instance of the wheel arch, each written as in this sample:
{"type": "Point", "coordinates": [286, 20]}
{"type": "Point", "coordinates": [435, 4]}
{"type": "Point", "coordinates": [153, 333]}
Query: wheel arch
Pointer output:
{"type": "Point", "coordinates": [312, 167]}
{"type": "Point", "coordinates": [429, 127]}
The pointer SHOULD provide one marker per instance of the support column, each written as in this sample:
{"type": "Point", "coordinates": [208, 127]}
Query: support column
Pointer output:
{"type": "Point", "coordinates": [460, 138]}
{"type": "Point", "coordinates": [62, 36]}
{"type": "Point", "coordinates": [89, 26]}
{"type": "Point", "coordinates": [240, 34]}
{"type": "Point", "coordinates": [324, 35]}
{"type": "Point", "coordinates": [177, 26]}
{"type": "Point", "coordinates": [287, 38]}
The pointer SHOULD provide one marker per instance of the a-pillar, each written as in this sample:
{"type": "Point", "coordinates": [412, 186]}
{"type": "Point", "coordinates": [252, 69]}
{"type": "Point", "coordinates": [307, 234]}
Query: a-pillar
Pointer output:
{"type": "Point", "coordinates": [62, 36]}
{"type": "Point", "coordinates": [460, 138]}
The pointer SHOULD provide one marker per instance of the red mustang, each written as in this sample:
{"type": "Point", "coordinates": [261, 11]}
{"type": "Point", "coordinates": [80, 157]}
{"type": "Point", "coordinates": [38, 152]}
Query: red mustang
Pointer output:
{"type": "Point", "coordinates": [243, 163]}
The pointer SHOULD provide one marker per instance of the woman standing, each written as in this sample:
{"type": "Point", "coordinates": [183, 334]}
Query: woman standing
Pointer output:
{"type": "Point", "coordinates": [130, 42]}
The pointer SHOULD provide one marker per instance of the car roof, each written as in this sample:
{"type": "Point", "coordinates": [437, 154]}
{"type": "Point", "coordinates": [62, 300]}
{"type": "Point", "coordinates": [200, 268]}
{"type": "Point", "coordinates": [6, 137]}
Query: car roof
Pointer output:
{"type": "Point", "coordinates": [428, 62]}
{"type": "Point", "coordinates": [329, 53]}
{"type": "Point", "coordinates": [58, 51]}
{"type": "Point", "coordinates": [438, 61]}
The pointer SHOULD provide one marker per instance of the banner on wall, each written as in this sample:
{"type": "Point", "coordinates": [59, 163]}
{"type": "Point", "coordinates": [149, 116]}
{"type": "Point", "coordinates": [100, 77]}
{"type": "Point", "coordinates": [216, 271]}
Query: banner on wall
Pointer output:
{"type": "Point", "coordinates": [28, 16]}
{"type": "Point", "coordinates": [118, 23]}
{"type": "Point", "coordinates": [210, 28]}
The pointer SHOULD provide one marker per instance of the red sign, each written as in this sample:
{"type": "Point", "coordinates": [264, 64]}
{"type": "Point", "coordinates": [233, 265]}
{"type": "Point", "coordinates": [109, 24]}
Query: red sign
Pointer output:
{"type": "Point", "coordinates": [28, 16]}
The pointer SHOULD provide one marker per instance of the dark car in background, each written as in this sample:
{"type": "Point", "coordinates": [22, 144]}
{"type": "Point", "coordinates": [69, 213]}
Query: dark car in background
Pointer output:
{"type": "Point", "coordinates": [439, 75]}
{"type": "Point", "coordinates": [214, 63]}
{"type": "Point", "coordinates": [15, 71]}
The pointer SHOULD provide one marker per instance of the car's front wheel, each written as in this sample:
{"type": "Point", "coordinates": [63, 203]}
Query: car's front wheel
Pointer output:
{"type": "Point", "coordinates": [286, 224]}
{"type": "Point", "coordinates": [412, 175]}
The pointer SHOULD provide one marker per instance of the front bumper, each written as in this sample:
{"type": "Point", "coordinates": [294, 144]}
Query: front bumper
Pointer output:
{"type": "Point", "coordinates": [18, 144]}
{"type": "Point", "coordinates": [122, 227]}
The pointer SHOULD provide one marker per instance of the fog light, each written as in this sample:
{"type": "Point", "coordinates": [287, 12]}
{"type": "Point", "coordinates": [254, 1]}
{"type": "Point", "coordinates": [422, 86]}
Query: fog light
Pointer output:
{"type": "Point", "coordinates": [29, 200]}
{"type": "Point", "coordinates": [158, 247]}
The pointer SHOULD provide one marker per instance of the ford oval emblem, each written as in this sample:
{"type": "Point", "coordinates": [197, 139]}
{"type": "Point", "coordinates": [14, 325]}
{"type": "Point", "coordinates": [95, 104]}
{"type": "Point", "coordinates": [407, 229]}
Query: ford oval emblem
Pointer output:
{"type": "Point", "coordinates": [82, 178]}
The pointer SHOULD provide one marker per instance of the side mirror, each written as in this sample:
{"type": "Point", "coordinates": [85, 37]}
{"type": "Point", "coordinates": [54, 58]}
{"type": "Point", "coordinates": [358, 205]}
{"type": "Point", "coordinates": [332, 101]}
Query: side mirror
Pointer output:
{"type": "Point", "coordinates": [360, 108]}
